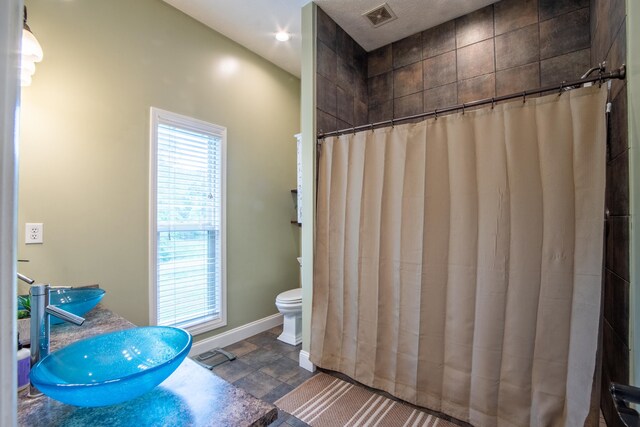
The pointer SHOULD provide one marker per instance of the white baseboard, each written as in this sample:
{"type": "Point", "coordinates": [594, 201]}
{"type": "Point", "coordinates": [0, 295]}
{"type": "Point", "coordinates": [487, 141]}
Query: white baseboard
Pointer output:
{"type": "Point", "coordinates": [236, 334]}
{"type": "Point", "coordinates": [305, 362]}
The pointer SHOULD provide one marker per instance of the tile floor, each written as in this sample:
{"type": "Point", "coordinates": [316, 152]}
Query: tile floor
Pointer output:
{"type": "Point", "coordinates": [266, 368]}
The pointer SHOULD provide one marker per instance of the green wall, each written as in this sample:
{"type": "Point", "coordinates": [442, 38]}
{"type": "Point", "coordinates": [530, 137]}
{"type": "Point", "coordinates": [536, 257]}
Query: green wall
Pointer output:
{"type": "Point", "coordinates": [84, 149]}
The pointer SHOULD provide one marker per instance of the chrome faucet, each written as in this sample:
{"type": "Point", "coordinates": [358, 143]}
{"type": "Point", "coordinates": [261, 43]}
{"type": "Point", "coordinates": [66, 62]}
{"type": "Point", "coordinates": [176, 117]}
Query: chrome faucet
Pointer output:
{"type": "Point", "coordinates": [40, 328]}
{"type": "Point", "coordinates": [26, 279]}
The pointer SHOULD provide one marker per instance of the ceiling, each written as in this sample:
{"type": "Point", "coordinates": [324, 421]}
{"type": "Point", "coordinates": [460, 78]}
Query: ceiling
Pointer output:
{"type": "Point", "coordinates": [253, 23]}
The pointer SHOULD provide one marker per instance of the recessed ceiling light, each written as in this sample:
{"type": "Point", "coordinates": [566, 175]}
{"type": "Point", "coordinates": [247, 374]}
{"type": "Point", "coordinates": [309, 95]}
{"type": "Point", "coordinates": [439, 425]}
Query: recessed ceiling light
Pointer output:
{"type": "Point", "coordinates": [282, 36]}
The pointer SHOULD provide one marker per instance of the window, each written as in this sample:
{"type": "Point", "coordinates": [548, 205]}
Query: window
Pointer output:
{"type": "Point", "coordinates": [187, 222]}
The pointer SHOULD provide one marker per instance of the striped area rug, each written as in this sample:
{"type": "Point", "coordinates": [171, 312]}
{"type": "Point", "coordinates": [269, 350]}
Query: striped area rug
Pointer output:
{"type": "Point", "coordinates": [326, 401]}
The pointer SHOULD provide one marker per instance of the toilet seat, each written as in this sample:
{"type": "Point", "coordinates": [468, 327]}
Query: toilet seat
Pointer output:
{"type": "Point", "coordinates": [291, 297]}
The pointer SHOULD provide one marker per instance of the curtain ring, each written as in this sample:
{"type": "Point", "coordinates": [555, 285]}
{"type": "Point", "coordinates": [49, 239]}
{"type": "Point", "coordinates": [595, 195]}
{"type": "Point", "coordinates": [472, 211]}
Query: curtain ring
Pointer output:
{"type": "Point", "coordinates": [493, 103]}
{"type": "Point", "coordinates": [393, 124]}
{"type": "Point", "coordinates": [463, 108]}
{"type": "Point", "coordinates": [354, 130]}
{"type": "Point", "coordinates": [371, 124]}
{"type": "Point", "coordinates": [560, 88]}
{"type": "Point", "coordinates": [524, 97]}
{"type": "Point", "coordinates": [435, 113]}
{"type": "Point", "coordinates": [600, 81]}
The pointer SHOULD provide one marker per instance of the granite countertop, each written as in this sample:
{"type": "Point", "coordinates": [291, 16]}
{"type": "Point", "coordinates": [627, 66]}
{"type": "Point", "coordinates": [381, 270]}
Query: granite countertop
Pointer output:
{"type": "Point", "coordinates": [191, 396]}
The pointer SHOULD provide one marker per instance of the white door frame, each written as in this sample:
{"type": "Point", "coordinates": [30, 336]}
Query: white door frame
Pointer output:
{"type": "Point", "coordinates": [10, 35]}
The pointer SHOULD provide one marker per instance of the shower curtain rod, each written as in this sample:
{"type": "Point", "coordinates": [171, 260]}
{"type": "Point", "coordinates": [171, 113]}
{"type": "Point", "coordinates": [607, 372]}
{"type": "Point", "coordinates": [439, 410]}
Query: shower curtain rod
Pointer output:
{"type": "Point", "coordinates": [620, 73]}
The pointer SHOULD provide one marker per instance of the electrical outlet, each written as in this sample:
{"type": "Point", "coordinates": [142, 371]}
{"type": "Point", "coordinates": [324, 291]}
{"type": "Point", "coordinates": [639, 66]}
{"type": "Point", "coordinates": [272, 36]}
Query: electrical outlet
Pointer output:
{"type": "Point", "coordinates": [33, 233]}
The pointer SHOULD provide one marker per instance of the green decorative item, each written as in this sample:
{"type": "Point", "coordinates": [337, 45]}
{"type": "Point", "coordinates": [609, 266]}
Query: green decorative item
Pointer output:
{"type": "Point", "coordinates": [24, 306]}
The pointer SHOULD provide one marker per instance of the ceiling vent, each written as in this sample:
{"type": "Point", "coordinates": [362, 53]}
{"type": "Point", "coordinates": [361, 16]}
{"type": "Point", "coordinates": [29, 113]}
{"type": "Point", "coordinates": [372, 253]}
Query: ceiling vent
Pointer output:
{"type": "Point", "coordinates": [380, 15]}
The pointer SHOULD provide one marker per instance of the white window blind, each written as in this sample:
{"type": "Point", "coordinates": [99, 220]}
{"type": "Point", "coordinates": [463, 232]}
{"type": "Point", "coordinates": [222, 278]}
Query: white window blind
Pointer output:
{"type": "Point", "coordinates": [189, 222]}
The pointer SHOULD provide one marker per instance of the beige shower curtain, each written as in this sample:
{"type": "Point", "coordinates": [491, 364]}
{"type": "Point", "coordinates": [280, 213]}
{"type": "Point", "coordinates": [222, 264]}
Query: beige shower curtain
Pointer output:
{"type": "Point", "coordinates": [458, 260]}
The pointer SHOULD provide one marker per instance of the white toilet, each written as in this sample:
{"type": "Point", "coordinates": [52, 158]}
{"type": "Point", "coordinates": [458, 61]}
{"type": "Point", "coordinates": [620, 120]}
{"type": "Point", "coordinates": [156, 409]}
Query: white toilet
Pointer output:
{"type": "Point", "coordinates": [289, 303]}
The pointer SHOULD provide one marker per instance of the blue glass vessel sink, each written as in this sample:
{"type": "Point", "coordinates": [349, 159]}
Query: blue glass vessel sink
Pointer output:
{"type": "Point", "coordinates": [77, 301]}
{"type": "Point", "coordinates": [111, 368]}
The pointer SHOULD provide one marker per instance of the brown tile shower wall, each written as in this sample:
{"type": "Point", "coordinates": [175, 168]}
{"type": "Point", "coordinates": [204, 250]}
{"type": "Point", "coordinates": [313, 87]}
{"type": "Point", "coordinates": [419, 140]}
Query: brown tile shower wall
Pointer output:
{"type": "Point", "coordinates": [608, 34]}
{"type": "Point", "coordinates": [341, 79]}
{"type": "Point", "coordinates": [507, 47]}
{"type": "Point", "coordinates": [504, 48]}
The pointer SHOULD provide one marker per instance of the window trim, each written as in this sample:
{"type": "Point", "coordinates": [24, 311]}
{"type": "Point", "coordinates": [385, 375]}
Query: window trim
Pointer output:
{"type": "Point", "coordinates": [156, 116]}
